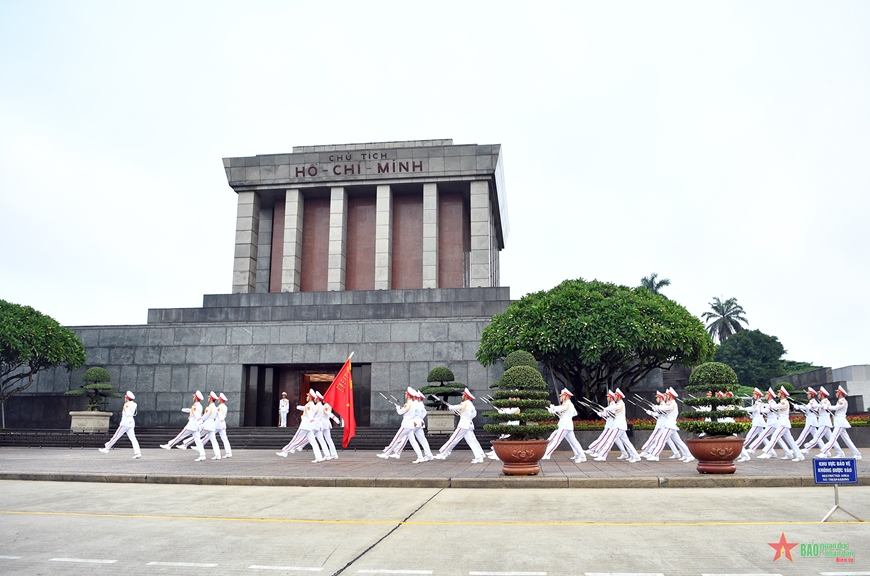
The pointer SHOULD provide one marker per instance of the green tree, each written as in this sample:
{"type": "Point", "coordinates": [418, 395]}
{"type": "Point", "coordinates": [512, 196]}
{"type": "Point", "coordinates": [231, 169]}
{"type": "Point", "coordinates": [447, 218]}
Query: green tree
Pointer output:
{"type": "Point", "coordinates": [653, 284]}
{"type": "Point", "coordinates": [96, 388]}
{"type": "Point", "coordinates": [30, 342]}
{"type": "Point", "coordinates": [754, 356]}
{"type": "Point", "coordinates": [795, 367]}
{"type": "Point", "coordinates": [596, 335]}
{"type": "Point", "coordinates": [713, 377]}
{"type": "Point", "coordinates": [725, 318]}
{"type": "Point", "coordinates": [521, 386]}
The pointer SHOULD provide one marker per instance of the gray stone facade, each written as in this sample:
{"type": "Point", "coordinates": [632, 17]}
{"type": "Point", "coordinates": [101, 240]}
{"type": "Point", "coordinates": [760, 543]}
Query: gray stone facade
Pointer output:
{"type": "Point", "coordinates": [399, 334]}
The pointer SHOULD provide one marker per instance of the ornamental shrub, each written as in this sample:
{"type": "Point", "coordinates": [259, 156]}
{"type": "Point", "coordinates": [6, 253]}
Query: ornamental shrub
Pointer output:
{"type": "Point", "coordinates": [443, 391]}
{"type": "Point", "coordinates": [96, 388]}
{"type": "Point", "coordinates": [523, 387]}
{"type": "Point", "coordinates": [520, 358]}
{"type": "Point", "coordinates": [712, 377]}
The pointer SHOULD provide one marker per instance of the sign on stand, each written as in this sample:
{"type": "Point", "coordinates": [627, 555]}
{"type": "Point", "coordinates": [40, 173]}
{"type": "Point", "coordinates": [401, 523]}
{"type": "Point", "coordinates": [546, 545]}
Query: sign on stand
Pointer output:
{"type": "Point", "coordinates": [835, 471]}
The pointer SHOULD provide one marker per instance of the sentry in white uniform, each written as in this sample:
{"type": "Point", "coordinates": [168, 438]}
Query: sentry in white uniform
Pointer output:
{"type": "Point", "coordinates": [825, 429]}
{"type": "Point", "coordinates": [841, 423]}
{"type": "Point", "coordinates": [782, 428]}
{"type": "Point", "coordinates": [618, 432]}
{"type": "Point", "coordinates": [465, 429]}
{"type": "Point", "coordinates": [329, 452]}
{"type": "Point", "coordinates": [222, 425]}
{"type": "Point", "coordinates": [283, 410]}
{"type": "Point", "coordinates": [305, 433]}
{"type": "Point", "coordinates": [209, 424]}
{"type": "Point", "coordinates": [670, 411]}
{"type": "Point", "coordinates": [405, 433]}
{"type": "Point", "coordinates": [127, 426]}
{"type": "Point", "coordinates": [757, 412]}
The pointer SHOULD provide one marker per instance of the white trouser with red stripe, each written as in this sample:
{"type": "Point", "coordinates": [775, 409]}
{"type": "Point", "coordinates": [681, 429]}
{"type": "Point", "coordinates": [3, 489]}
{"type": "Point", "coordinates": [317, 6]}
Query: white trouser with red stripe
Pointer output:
{"type": "Point", "coordinates": [329, 445]}
{"type": "Point", "coordinates": [196, 439]}
{"type": "Point", "coordinates": [564, 434]}
{"type": "Point", "coordinates": [458, 435]}
{"type": "Point", "coordinates": [782, 435]}
{"type": "Point", "coordinates": [131, 434]}
{"type": "Point", "coordinates": [420, 435]}
{"type": "Point", "coordinates": [838, 433]}
{"type": "Point", "coordinates": [226, 441]}
{"type": "Point", "coordinates": [806, 433]}
{"type": "Point", "coordinates": [823, 433]}
{"type": "Point", "coordinates": [403, 436]}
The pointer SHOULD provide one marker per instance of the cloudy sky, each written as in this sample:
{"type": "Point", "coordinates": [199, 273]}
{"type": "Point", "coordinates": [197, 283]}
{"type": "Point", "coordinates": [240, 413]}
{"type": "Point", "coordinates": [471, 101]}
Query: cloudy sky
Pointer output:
{"type": "Point", "coordinates": [725, 146]}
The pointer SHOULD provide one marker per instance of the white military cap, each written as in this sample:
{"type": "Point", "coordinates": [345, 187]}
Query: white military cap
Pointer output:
{"type": "Point", "coordinates": [468, 393]}
{"type": "Point", "coordinates": [672, 392]}
{"type": "Point", "coordinates": [222, 397]}
{"type": "Point", "coordinates": [130, 395]}
{"type": "Point", "coordinates": [823, 392]}
{"type": "Point", "coordinates": [198, 395]}
{"type": "Point", "coordinates": [782, 390]}
{"type": "Point", "coordinates": [810, 390]}
{"type": "Point", "coordinates": [565, 391]}
{"type": "Point", "coordinates": [842, 391]}
{"type": "Point", "coordinates": [410, 391]}
{"type": "Point", "coordinates": [618, 394]}
{"type": "Point", "coordinates": [212, 396]}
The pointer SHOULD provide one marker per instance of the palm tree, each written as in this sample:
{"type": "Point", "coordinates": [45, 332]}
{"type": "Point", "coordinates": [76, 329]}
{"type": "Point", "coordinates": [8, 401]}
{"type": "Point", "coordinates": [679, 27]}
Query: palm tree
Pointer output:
{"type": "Point", "coordinates": [725, 318]}
{"type": "Point", "coordinates": [654, 285]}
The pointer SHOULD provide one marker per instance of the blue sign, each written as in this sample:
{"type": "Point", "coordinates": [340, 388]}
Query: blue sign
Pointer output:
{"type": "Point", "coordinates": [835, 471]}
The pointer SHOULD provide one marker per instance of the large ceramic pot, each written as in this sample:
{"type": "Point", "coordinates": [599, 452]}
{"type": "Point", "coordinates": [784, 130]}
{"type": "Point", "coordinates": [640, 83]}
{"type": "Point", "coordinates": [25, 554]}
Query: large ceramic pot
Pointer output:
{"type": "Point", "coordinates": [716, 455]}
{"type": "Point", "coordinates": [520, 457]}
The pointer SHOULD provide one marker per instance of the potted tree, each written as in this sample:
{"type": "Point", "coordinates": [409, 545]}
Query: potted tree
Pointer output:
{"type": "Point", "coordinates": [98, 390]}
{"type": "Point", "coordinates": [521, 445]}
{"type": "Point", "coordinates": [717, 444]}
{"type": "Point", "coordinates": [441, 420]}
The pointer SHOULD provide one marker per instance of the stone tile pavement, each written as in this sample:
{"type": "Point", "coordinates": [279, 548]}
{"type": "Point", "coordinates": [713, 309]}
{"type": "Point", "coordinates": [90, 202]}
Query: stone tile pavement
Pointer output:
{"type": "Point", "coordinates": [364, 469]}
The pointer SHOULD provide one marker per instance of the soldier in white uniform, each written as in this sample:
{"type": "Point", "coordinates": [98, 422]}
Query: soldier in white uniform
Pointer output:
{"type": "Point", "coordinates": [465, 429]}
{"type": "Point", "coordinates": [329, 452]}
{"type": "Point", "coordinates": [670, 410]}
{"type": "Point", "coordinates": [609, 432]}
{"type": "Point", "coordinates": [192, 428]}
{"type": "Point", "coordinates": [420, 427]}
{"type": "Point", "coordinates": [841, 424]}
{"type": "Point", "coordinates": [319, 417]}
{"type": "Point", "coordinates": [618, 434]}
{"type": "Point", "coordinates": [566, 412]}
{"type": "Point", "coordinates": [408, 412]}
{"type": "Point", "coordinates": [824, 432]}
{"type": "Point", "coordinates": [658, 431]}
{"type": "Point", "coordinates": [127, 426]}
{"type": "Point", "coordinates": [771, 422]}
{"type": "Point", "coordinates": [757, 412]}
{"type": "Point", "coordinates": [283, 410]}
{"type": "Point", "coordinates": [208, 425]}
{"type": "Point", "coordinates": [782, 428]}
{"type": "Point", "coordinates": [305, 434]}
{"type": "Point", "coordinates": [222, 425]}
{"type": "Point", "coordinates": [811, 417]}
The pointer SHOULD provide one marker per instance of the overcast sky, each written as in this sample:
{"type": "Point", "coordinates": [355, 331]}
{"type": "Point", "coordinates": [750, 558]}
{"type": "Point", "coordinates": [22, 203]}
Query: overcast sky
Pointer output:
{"type": "Point", "coordinates": [725, 146]}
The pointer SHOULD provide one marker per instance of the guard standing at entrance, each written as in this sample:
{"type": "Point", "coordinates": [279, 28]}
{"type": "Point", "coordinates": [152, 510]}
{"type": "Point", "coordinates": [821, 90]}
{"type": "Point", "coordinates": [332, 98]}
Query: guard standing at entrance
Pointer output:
{"type": "Point", "coordinates": [283, 410]}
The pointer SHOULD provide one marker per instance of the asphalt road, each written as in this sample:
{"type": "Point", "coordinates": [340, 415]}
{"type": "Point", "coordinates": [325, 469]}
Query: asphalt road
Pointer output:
{"type": "Point", "coordinates": [104, 528]}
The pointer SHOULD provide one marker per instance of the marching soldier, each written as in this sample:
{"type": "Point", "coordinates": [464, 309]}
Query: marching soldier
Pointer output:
{"type": "Point", "coordinates": [825, 429]}
{"type": "Point", "coordinates": [305, 433]}
{"type": "Point", "coordinates": [192, 428]}
{"type": "Point", "coordinates": [329, 452]}
{"type": "Point", "coordinates": [841, 423]}
{"type": "Point", "coordinates": [757, 412]}
{"type": "Point", "coordinates": [618, 433]}
{"type": "Point", "coordinates": [408, 412]}
{"type": "Point", "coordinates": [566, 412]}
{"type": "Point", "coordinates": [771, 422]}
{"type": "Point", "coordinates": [670, 411]}
{"type": "Point", "coordinates": [658, 431]}
{"type": "Point", "coordinates": [222, 425]}
{"type": "Point", "coordinates": [420, 427]}
{"type": "Point", "coordinates": [209, 425]}
{"type": "Point", "coordinates": [811, 418]}
{"type": "Point", "coordinates": [127, 426]}
{"type": "Point", "coordinates": [782, 427]}
{"type": "Point", "coordinates": [465, 429]}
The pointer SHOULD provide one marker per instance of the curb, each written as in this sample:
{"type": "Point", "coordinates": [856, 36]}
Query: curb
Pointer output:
{"type": "Point", "coordinates": [700, 481]}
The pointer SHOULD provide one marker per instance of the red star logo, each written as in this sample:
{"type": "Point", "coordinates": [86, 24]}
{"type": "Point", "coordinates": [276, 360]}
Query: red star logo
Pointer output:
{"type": "Point", "coordinates": [783, 548]}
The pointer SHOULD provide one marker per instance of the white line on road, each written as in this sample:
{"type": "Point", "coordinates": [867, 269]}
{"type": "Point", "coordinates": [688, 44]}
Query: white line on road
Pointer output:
{"type": "Point", "coordinates": [630, 574]}
{"type": "Point", "coordinates": [10, 557]}
{"type": "Point", "coordinates": [182, 564]}
{"type": "Point", "coordinates": [85, 560]}
{"type": "Point", "coordinates": [845, 573]}
{"type": "Point", "coordinates": [507, 574]}
{"type": "Point", "coordinates": [377, 571]}
{"type": "Point", "coordinates": [286, 568]}
{"type": "Point", "coordinates": [761, 574]}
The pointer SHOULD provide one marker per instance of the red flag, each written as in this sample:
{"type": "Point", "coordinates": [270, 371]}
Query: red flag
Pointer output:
{"type": "Point", "coordinates": [340, 397]}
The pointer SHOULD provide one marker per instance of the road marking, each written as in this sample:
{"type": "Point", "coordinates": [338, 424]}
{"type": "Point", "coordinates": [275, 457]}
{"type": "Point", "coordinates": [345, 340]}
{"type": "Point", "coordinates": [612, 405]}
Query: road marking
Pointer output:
{"type": "Point", "coordinates": [10, 557]}
{"type": "Point", "coordinates": [438, 523]}
{"type": "Point", "coordinates": [85, 560]}
{"type": "Point", "coordinates": [760, 574]}
{"type": "Point", "coordinates": [628, 574]}
{"type": "Point", "coordinates": [845, 573]}
{"type": "Point", "coordinates": [287, 568]}
{"type": "Point", "coordinates": [182, 564]}
{"type": "Point", "coordinates": [377, 571]}
{"type": "Point", "coordinates": [507, 574]}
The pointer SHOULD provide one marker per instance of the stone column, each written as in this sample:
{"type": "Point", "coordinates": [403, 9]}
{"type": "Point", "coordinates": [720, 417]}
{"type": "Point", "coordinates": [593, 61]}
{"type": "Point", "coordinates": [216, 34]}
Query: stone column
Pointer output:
{"type": "Point", "coordinates": [430, 235]}
{"type": "Point", "coordinates": [384, 239]}
{"type": "Point", "coordinates": [294, 206]}
{"type": "Point", "coordinates": [335, 275]}
{"type": "Point", "coordinates": [247, 235]}
{"type": "Point", "coordinates": [481, 242]}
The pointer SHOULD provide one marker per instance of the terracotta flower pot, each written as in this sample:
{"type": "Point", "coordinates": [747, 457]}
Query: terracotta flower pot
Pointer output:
{"type": "Point", "coordinates": [520, 457]}
{"type": "Point", "coordinates": [716, 455]}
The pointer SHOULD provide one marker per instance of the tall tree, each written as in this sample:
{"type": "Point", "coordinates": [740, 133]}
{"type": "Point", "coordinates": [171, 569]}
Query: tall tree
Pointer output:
{"type": "Point", "coordinates": [30, 342]}
{"type": "Point", "coordinates": [754, 356]}
{"type": "Point", "coordinates": [653, 284]}
{"type": "Point", "coordinates": [725, 318]}
{"type": "Point", "coordinates": [596, 335]}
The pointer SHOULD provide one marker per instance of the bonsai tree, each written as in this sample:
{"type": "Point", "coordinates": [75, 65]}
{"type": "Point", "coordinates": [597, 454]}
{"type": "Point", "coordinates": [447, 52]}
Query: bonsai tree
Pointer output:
{"type": "Point", "coordinates": [96, 388]}
{"type": "Point", "coordinates": [445, 388]}
{"type": "Point", "coordinates": [713, 377]}
{"type": "Point", "coordinates": [521, 386]}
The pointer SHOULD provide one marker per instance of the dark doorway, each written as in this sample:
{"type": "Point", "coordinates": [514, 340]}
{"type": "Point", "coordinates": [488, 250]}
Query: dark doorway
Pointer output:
{"type": "Point", "coordinates": [264, 385]}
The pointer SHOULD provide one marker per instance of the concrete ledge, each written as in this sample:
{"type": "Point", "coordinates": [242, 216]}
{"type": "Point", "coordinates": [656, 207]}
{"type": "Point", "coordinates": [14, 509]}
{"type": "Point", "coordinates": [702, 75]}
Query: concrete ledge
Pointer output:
{"type": "Point", "coordinates": [196, 480]}
{"type": "Point", "coordinates": [613, 483]}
